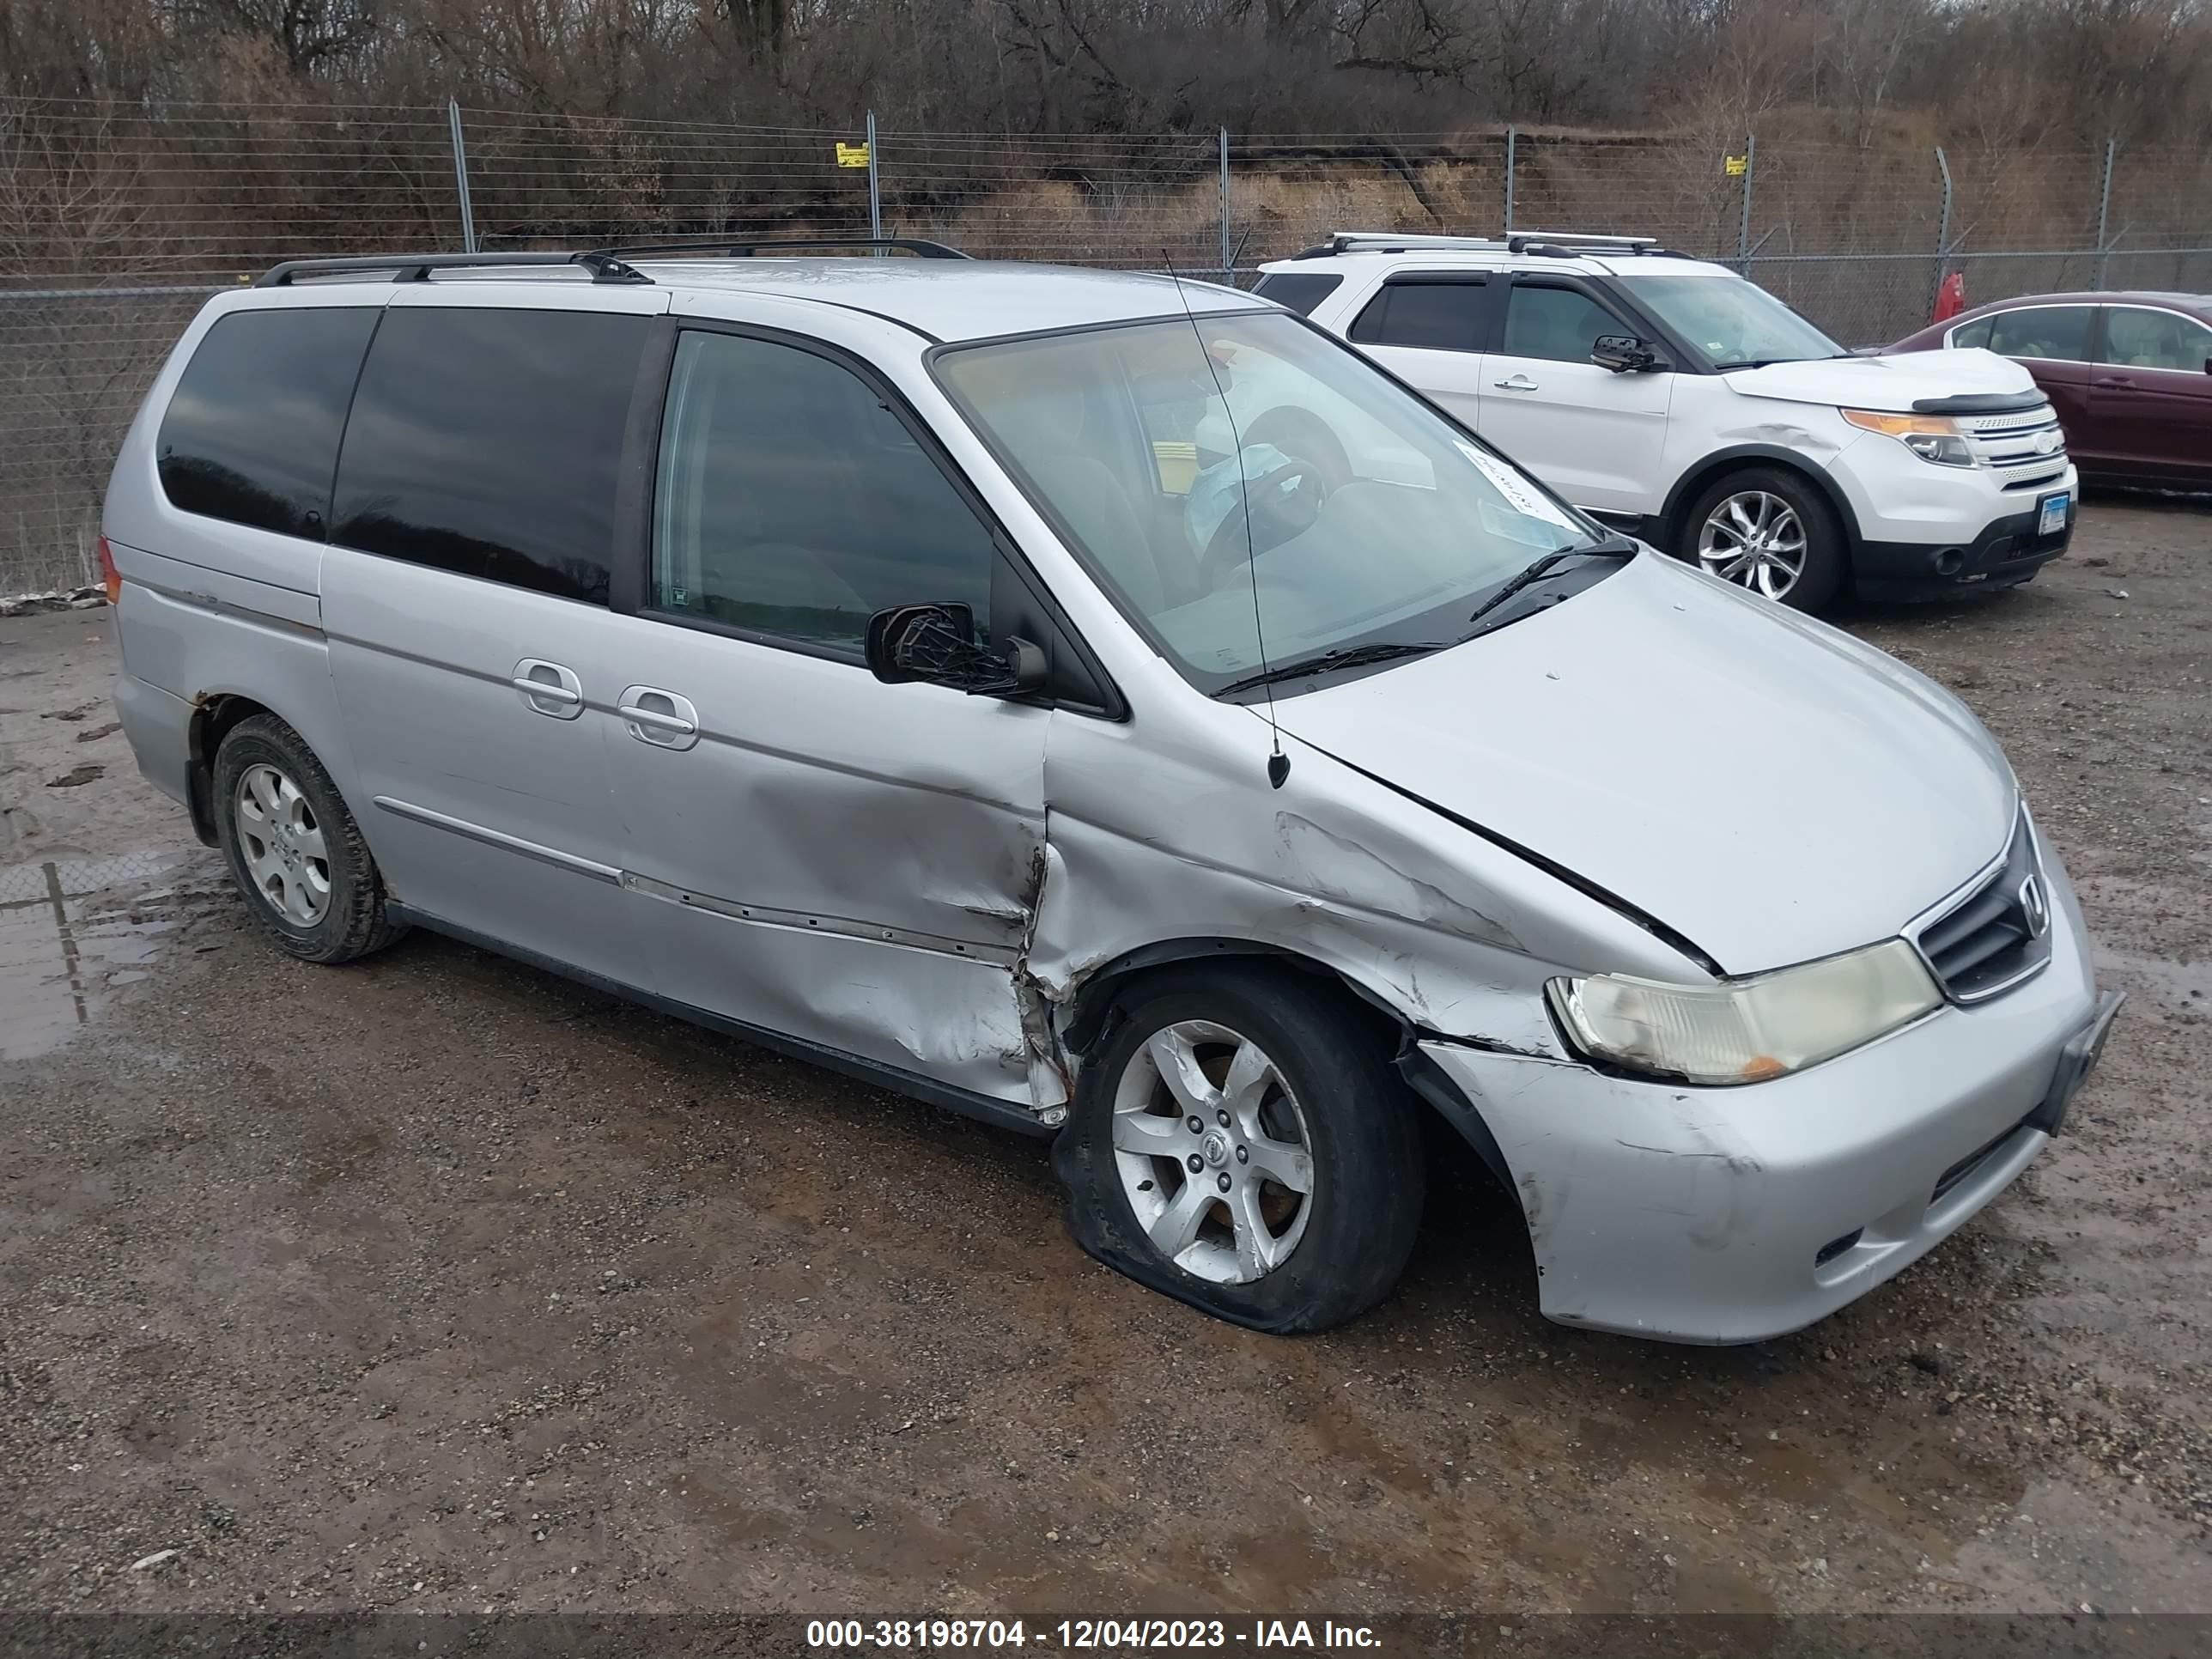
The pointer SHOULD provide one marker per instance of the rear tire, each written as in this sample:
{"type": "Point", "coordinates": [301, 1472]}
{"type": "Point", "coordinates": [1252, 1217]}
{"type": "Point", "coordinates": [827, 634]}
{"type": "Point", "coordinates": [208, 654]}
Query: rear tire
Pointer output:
{"type": "Point", "coordinates": [1306, 1195]}
{"type": "Point", "coordinates": [294, 849]}
{"type": "Point", "coordinates": [1771, 531]}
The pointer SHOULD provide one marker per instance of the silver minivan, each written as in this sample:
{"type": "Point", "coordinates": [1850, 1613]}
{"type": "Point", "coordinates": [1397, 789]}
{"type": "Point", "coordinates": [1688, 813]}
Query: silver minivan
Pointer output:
{"type": "Point", "coordinates": [1109, 705]}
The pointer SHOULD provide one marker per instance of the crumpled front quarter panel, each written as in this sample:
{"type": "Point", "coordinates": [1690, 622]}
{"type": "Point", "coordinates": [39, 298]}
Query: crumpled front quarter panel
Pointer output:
{"type": "Point", "coordinates": [1166, 830]}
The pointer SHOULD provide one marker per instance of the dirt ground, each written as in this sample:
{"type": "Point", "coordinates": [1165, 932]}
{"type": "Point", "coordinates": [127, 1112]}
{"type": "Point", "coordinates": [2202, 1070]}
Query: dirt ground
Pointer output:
{"type": "Point", "coordinates": [436, 1283]}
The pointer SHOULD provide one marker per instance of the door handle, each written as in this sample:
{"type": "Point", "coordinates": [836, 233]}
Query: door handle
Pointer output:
{"type": "Point", "coordinates": [548, 689]}
{"type": "Point", "coordinates": [660, 718]}
{"type": "Point", "coordinates": [2111, 380]}
{"type": "Point", "coordinates": [1517, 383]}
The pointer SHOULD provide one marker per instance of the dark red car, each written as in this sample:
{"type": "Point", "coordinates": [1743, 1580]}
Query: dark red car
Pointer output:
{"type": "Point", "coordinates": [2131, 375]}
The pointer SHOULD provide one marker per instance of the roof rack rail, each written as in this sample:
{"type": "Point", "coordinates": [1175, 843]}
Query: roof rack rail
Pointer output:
{"type": "Point", "coordinates": [1543, 244]}
{"type": "Point", "coordinates": [749, 247]}
{"type": "Point", "coordinates": [1350, 241]}
{"type": "Point", "coordinates": [1584, 239]}
{"type": "Point", "coordinates": [417, 267]}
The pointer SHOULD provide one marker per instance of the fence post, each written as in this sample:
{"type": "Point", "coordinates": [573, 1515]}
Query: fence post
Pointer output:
{"type": "Point", "coordinates": [1943, 233]}
{"type": "Point", "coordinates": [2105, 210]}
{"type": "Point", "coordinates": [1512, 144]}
{"type": "Point", "coordinates": [1743, 224]}
{"type": "Point", "coordinates": [1228, 254]}
{"type": "Point", "coordinates": [875, 191]}
{"type": "Point", "coordinates": [461, 177]}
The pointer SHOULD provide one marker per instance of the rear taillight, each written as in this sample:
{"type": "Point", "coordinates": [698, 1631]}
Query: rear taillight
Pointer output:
{"type": "Point", "coordinates": [110, 577]}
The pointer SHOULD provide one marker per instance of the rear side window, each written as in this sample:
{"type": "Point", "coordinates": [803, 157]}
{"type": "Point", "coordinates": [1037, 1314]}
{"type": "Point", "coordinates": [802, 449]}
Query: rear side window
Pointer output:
{"type": "Point", "coordinates": [792, 502]}
{"type": "Point", "coordinates": [1301, 290]}
{"type": "Point", "coordinates": [1556, 323]}
{"type": "Point", "coordinates": [251, 433]}
{"type": "Point", "coordinates": [1973, 334]}
{"type": "Point", "coordinates": [2138, 338]}
{"type": "Point", "coordinates": [2057, 333]}
{"type": "Point", "coordinates": [487, 443]}
{"type": "Point", "coordinates": [1433, 316]}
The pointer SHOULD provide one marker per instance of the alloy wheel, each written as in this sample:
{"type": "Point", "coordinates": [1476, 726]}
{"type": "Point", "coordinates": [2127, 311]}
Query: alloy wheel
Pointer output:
{"type": "Point", "coordinates": [1756, 540]}
{"type": "Point", "coordinates": [1213, 1153]}
{"type": "Point", "coordinates": [281, 845]}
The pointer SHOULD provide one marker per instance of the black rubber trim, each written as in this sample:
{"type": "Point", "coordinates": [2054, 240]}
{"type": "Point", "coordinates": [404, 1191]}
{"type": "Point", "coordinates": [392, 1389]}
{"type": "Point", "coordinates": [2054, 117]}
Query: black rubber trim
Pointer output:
{"type": "Point", "coordinates": [1433, 1084]}
{"type": "Point", "coordinates": [966, 1101]}
{"type": "Point", "coordinates": [2076, 1061]}
{"type": "Point", "coordinates": [1981, 403]}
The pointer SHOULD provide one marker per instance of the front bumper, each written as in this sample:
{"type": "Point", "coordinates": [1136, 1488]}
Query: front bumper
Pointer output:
{"type": "Point", "coordinates": [1732, 1215]}
{"type": "Point", "coordinates": [2006, 552]}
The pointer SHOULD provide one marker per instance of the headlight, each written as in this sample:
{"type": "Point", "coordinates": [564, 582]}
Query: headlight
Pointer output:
{"type": "Point", "coordinates": [1748, 1029]}
{"type": "Point", "coordinates": [1931, 437]}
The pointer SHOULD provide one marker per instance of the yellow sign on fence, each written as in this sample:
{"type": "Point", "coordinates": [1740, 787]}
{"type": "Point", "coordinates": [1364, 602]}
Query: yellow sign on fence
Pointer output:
{"type": "Point", "coordinates": [852, 155]}
{"type": "Point", "coordinates": [1737, 165]}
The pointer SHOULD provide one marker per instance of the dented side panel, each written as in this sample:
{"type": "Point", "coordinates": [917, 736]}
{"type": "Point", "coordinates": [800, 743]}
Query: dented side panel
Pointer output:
{"type": "Point", "coordinates": [850, 862]}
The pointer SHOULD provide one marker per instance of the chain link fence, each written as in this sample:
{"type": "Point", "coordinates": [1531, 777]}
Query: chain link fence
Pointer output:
{"type": "Point", "coordinates": [117, 223]}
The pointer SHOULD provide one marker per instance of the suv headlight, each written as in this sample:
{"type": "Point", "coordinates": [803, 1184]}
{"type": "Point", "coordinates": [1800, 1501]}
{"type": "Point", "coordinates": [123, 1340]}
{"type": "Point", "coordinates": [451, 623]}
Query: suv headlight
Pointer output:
{"type": "Point", "coordinates": [1747, 1030]}
{"type": "Point", "coordinates": [1931, 437]}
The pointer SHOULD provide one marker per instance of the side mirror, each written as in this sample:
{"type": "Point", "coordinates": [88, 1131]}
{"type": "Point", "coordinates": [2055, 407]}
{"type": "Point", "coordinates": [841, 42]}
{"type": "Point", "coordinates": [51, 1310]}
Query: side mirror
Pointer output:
{"type": "Point", "coordinates": [936, 643]}
{"type": "Point", "coordinates": [1624, 354]}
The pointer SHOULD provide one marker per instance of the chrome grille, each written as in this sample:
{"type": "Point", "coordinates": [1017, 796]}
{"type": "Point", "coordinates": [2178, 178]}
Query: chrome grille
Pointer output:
{"type": "Point", "coordinates": [2026, 448]}
{"type": "Point", "coordinates": [1997, 932]}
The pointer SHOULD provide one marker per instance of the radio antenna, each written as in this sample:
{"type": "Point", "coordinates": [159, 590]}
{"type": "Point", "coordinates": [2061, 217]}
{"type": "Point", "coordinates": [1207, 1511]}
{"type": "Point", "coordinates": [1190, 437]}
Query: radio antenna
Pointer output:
{"type": "Point", "coordinates": [1278, 763]}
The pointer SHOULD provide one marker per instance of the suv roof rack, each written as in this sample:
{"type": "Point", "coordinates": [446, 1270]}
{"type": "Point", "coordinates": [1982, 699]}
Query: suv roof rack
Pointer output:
{"type": "Point", "coordinates": [921, 247]}
{"type": "Point", "coordinates": [606, 264]}
{"type": "Point", "coordinates": [1545, 244]}
{"type": "Point", "coordinates": [417, 267]}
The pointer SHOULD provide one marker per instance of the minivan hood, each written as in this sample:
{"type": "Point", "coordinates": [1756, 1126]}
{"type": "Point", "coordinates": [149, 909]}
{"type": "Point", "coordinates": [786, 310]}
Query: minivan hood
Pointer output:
{"type": "Point", "coordinates": [1892, 382]}
{"type": "Point", "coordinates": [1760, 783]}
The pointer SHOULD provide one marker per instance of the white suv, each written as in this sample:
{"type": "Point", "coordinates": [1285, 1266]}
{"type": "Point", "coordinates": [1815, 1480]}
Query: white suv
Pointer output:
{"type": "Point", "coordinates": [1679, 400]}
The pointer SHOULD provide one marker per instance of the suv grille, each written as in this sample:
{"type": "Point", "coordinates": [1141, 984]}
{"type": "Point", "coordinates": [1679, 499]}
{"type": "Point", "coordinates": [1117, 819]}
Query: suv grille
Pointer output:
{"type": "Point", "coordinates": [1998, 934]}
{"type": "Point", "coordinates": [2026, 449]}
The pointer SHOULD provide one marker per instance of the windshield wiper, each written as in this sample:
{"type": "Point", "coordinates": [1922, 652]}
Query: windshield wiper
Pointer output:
{"type": "Point", "coordinates": [1613, 547]}
{"type": "Point", "coordinates": [1357, 656]}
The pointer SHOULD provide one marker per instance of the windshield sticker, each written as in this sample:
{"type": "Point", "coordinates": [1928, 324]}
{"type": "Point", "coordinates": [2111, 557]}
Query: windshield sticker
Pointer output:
{"type": "Point", "coordinates": [1529, 503]}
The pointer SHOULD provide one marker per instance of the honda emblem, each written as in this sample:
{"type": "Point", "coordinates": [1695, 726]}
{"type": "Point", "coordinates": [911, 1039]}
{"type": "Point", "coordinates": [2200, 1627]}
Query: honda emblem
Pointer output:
{"type": "Point", "coordinates": [2034, 906]}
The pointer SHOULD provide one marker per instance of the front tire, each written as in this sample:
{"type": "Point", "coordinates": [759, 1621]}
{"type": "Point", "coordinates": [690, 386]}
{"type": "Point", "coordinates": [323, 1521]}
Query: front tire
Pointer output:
{"type": "Point", "coordinates": [1769, 530]}
{"type": "Point", "coordinates": [1239, 1142]}
{"type": "Point", "coordinates": [293, 847]}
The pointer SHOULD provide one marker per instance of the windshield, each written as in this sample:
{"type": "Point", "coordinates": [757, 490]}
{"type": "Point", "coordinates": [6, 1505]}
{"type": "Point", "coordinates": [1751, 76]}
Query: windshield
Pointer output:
{"type": "Point", "coordinates": [1372, 520]}
{"type": "Point", "coordinates": [1735, 323]}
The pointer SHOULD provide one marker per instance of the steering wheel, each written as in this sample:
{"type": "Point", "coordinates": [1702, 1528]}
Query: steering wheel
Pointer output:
{"type": "Point", "coordinates": [1280, 503]}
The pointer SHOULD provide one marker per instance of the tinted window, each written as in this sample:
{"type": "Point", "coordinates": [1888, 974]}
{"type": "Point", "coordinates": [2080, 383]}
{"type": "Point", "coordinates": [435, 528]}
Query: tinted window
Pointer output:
{"type": "Point", "coordinates": [1300, 290]}
{"type": "Point", "coordinates": [2059, 333]}
{"type": "Point", "coordinates": [1556, 323]}
{"type": "Point", "coordinates": [2137, 338]}
{"type": "Point", "coordinates": [792, 502]}
{"type": "Point", "coordinates": [1436, 316]}
{"type": "Point", "coordinates": [487, 442]}
{"type": "Point", "coordinates": [1973, 334]}
{"type": "Point", "coordinates": [252, 435]}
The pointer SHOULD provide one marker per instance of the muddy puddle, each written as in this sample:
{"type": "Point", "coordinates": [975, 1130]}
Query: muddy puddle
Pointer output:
{"type": "Point", "coordinates": [75, 932]}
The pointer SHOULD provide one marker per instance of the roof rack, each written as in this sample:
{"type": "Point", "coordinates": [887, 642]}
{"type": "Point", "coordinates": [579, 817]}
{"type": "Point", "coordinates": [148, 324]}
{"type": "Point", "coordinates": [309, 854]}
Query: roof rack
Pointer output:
{"type": "Point", "coordinates": [1543, 244]}
{"type": "Point", "coordinates": [606, 264]}
{"type": "Point", "coordinates": [417, 267]}
{"type": "Point", "coordinates": [919, 246]}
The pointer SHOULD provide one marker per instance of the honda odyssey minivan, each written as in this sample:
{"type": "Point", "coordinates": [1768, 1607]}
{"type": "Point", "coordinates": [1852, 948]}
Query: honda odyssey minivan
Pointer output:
{"type": "Point", "coordinates": [1111, 707]}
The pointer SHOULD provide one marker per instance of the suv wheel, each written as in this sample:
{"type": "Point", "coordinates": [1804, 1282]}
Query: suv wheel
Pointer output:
{"type": "Point", "coordinates": [1770, 531]}
{"type": "Point", "coordinates": [294, 849]}
{"type": "Point", "coordinates": [1239, 1142]}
